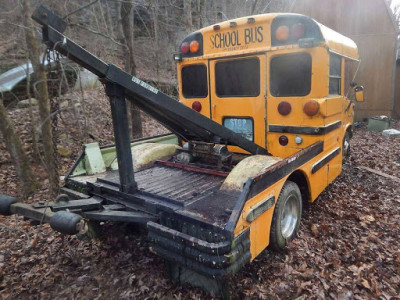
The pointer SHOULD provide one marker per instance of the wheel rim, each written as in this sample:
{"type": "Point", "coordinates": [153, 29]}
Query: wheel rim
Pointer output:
{"type": "Point", "coordinates": [346, 147]}
{"type": "Point", "coordinates": [290, 215]}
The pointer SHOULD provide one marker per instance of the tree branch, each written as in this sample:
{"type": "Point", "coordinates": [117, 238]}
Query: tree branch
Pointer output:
{"type": "Point", "coordinates": [80, 8]}
{"type": "Point", "coordinates": [97, 33]}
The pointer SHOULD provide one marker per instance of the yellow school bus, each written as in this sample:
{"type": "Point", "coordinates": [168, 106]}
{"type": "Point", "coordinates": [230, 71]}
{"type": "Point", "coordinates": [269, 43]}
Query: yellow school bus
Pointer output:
{"type": "Point", "coordinates": [278, 80]}
{"type": "Point", "coordinates": [262, 127]}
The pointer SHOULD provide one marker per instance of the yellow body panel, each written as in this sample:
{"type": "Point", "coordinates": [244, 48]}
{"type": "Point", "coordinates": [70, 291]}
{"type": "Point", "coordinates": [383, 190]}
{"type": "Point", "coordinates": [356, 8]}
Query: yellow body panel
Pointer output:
{"type": "Point", "coordinates": [205, 103]}
{"type": "Point", "coordinates": [250, 37]}
{"type": "Point", "coordinates": [246, 107]}
{"type": "Point", "coordinates": [260, 227]}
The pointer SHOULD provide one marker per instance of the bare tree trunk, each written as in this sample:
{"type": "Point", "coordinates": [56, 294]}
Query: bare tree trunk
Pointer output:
{"type": "Point", "coordinates": [127, 30]}
{"type": "Point", "coordinates": [43, 100]}
{"type": "Point", "coordinates": [187, 15]}
{"type": "Point", "coordinates": [17, 153]}
{"type": "Point", "coordinates": [253, 7]}
{"type": "Point", "coordinates": [198, 16]}
{"type": "Point", "coordinates": [130, 66]}
{"type": "Point", "coordinates": [202, 13]}
{"type": "Point", "coordinates": [214, 12]}
{"type": "Point", "coordinates": [31, 117]}
{"type": "Point", "coordinates": [156, 37]}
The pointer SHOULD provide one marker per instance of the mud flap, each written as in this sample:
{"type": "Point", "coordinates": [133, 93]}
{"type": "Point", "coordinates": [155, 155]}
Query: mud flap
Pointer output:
{"type": "Point", "coordinates": [179, 274]}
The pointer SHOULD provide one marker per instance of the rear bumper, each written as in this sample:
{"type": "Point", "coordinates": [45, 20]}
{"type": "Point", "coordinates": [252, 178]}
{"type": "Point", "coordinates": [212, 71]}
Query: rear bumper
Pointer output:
{"type": "Point", "coordinates": [216, 260]}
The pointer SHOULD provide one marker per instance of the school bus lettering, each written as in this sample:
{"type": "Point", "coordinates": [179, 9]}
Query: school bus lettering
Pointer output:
{"type": "Point", "coordinates": [226, 39]}
{"type": "Point", "coordinates": [253, 35]}
{"type": "Point", "coordinates": [230, 40]}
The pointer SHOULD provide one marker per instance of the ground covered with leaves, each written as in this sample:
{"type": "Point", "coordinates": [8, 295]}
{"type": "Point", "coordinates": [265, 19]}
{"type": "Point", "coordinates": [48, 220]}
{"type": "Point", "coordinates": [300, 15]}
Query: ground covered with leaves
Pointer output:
{"type": "Point", "coordinates": [348, 246]}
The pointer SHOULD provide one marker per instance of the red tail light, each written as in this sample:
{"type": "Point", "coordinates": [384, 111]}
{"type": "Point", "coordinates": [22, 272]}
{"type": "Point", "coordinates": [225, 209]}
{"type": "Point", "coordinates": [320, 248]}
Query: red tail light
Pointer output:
{"type": "Point", "coordinates": [284, 108]}
{"type": "Point", "coordinates": [283, 140]}
{"type": "Point", "coordinates": [185, 47]}
{"type": "Point", "coordinates": [196, 105]}
{"type": "Point", "coordinates": [298, 31]}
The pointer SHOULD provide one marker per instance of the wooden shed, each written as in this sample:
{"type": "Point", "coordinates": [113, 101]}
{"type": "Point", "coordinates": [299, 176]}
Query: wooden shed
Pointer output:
{"type": "Point", "coordinates": [371, 24]}
{"type": "Point", "coordinates": [396, 112]}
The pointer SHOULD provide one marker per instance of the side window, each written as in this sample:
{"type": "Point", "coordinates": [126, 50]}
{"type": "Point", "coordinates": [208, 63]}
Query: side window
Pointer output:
{"type": "Point", "coordinates": [290, 75]}
{"type": "Point", "coordinates": [238, 78]}
{"type": "Point", "coordinates": [335, 71]}
{"type": "Point", "coordinates": [194, 81]}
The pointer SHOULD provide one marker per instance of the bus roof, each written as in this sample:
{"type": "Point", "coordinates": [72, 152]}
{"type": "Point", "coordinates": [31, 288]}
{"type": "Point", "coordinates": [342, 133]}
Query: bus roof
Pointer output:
{"type": "Point", "coordinates": [339, 43]}
{"type": "Point", "coordinates": [255, 33]}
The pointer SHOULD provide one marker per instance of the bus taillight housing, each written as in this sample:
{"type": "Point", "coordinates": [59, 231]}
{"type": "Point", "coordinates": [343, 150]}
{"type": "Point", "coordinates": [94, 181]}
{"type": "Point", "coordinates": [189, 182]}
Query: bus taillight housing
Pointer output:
{"type": "Point", "coordinates": [192, 45]}
{"type": "Point", "coordinates": [292, 29]}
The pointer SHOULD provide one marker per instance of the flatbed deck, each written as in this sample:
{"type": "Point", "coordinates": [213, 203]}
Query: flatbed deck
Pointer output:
{"type": "Point", "coordinates": [190, 192]}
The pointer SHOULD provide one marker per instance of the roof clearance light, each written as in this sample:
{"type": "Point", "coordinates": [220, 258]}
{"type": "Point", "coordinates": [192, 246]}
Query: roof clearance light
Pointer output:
{"type": "Point", "coordinates": [298, 31]}
{"type": "Point", "coordinates": [194, 46]}
{"type": "Point", "coordinates": [251, 20]}
{"type": "Point", "coordinates": [284, 108]}
{"type": "Point", "coordinates": [282, 33]}
{"type": "Point", "coordinates": [196, 105]}
{"type": "Point", "coordinates": [185, 47]}
{"type": "Point", "coordinates": [311, 108]}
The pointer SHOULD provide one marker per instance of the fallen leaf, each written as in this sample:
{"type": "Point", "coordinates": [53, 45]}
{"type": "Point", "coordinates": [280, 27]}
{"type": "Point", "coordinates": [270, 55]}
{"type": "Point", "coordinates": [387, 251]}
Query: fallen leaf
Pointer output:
{"type": "Point", "coordinates": [365, 284]}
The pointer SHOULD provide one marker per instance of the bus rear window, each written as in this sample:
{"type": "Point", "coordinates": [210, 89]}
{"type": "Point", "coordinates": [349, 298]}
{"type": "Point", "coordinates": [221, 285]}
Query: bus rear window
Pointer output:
{"type": "Point", "coordinates": [290, 75]}
{"type": "Point", "coordinates": [194, 81]}
{"type": "Point", "coordinates": [238, 78]}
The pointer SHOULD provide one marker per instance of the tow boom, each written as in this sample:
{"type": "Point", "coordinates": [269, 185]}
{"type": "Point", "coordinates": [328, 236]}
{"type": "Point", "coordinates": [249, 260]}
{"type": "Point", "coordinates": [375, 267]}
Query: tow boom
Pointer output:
{"type": "Point", "coordinates": [180, 119]}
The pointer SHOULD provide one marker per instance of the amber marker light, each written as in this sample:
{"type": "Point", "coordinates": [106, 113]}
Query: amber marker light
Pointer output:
{"type": "Point", "coordinates": [311, 108]}
{"type": "Point", "coordinates": [196, 105]}
{"type": "Point", "coordinates": [284, 108]}
{"type": "Point", "coordinates": [194, 46]}
{"type": "Point", "coordinates": [282, 33]}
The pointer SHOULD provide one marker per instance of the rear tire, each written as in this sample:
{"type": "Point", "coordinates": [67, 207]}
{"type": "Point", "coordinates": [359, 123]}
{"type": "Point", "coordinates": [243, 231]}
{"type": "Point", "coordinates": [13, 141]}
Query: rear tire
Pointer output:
{"type": "Point", "coordinates": [287, 216]}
